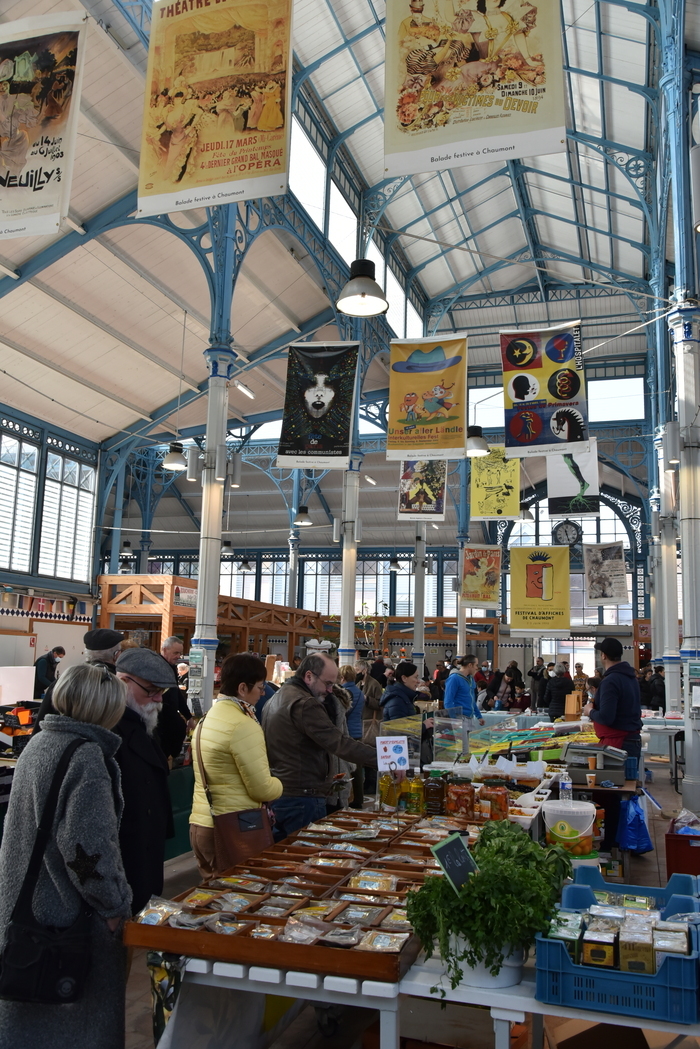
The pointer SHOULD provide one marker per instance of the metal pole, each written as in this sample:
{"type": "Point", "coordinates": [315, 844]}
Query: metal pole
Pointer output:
{"type": "Point", "coordinates": [293, 578]}
{"type": "Point", "coordinates": [117, 521]}
{"type": "Point", "coordinates": [667, 599]}
{"type": "Point", "coordinates": [418, 656]}
{"type": "Point", "coordinates": [462, 540]}
{"type": "Point", "coordinates": [351, 500]}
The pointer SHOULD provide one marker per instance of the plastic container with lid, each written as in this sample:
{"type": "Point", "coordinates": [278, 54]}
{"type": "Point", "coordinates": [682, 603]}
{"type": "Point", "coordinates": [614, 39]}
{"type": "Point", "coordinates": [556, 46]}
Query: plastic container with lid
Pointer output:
{"type": "Point", "coordinates": [570, 824]}
{"type": "Point", "coordinates": [494, 802]}
{"type": "Point", "coordinates": [459, 800]}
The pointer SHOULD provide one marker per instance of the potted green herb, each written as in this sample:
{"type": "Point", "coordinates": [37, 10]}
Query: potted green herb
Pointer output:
{"type": "Point", "coordinates": [499, 910]}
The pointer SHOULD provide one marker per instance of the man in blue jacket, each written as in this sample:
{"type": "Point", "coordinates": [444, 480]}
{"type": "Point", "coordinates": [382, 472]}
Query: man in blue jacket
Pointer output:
{"type": "Point", "coordinates": [616, 710]}
{"type": "Point", "coordinates": [460, 688]}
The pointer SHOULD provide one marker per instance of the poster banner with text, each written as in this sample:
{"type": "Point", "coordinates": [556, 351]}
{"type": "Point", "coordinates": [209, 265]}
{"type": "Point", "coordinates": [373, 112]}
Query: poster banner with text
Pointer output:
{"type": "Point", "coordinates": [41, 63]}
{"type": "Point", "coordinates": [605, 573]}
{"type": "Point", "coordinates": [422, 488]}
{"type": "Point", "coordinates": [216, 118]}
{"type": "Point", "coordinates": [495, 486]}
{"type": "Point", "coordinates": [319, 406]}
{"type": "Point", "coordinates": [471, 84]}
{"type": "Point", "coordinates": [539, 589]}
{"type": "Point", "coordinates": [572, 483]}
{"type": "Point", "coordinates": [481, 578]}
{"type": "Point", "coordinates": [544, 391]}
{"type": "Point", "coordinates": [428, 399]}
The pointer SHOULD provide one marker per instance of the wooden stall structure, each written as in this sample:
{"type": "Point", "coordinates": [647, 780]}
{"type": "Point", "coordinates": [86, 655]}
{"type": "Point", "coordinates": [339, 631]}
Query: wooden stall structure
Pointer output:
{"type": "Point", "coordinates": [164, 605]}
{"type": "Point", "coordinates": [387, 633]}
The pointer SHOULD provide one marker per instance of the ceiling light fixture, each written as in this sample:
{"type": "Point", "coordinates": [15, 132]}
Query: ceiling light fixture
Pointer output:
{"type": "Point", "coordinates": [302, 519]}
{"type": "Point", "coordinates": [226, 547]}
{"type": "Point", "coordinates": [244, 389]}
{"type": "Point", "coordinates": [394, 565]}
{"type": "Point", "coordinates": [476, 445]}
{"type": "Point", "coordinates": [175, 460]}
{"type": "Point", "coordinates": [362, 296]}
{"type": "Point", "coordinates": [126, 548]}
{"type": "Point", "coordinates": [526, 513]}
{"type": "Point", "coordinates": [235, 465]}
{"type": "Point", "coordinates": [245, 566]}
{"type": "Point", "coordinates": [369, 480]}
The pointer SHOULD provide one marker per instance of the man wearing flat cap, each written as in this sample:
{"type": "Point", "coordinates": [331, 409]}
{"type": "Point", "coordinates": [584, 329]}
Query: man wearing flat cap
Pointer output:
{"type": "Point", "coordinates": [101, 646]}
{"type": "Point", "coordinates": [147, 819]}
{"type": "Point", "coordinates": [616, 710]}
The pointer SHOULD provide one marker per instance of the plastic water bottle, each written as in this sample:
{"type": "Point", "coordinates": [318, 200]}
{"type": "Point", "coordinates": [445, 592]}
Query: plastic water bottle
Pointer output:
{"type": "Point", "coordinates": [565, 787]}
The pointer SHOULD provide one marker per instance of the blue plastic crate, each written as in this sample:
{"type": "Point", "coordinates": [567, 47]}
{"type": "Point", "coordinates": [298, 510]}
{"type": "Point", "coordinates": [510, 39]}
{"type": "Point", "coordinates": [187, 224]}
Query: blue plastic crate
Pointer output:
{"type": "Point", "coordinates": [670, 995]}
{"type": "Point", "coordinates": [581, 897]}
{"type": "Point", "coordinates": [678, 884]}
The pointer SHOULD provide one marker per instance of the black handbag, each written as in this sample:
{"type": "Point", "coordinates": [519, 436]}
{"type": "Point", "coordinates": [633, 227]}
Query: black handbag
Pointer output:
{"type": "Point", "coordinates": [41, 963]}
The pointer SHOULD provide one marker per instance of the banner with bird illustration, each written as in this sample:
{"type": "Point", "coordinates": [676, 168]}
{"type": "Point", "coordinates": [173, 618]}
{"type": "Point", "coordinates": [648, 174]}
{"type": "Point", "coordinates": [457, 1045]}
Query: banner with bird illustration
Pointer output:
{"type": "Point", "coordinates": [539, 589]}
{"type": "Point", "coordinates": [495, 486]}
{"type": "Point", "coordinates": [427, 411]}
{"type": "Point", "coordinates": [572, 483]}
{"type": "Point", "coordinates": [544, 391]}
{"type": "Point", "coordinates": [481, 576]}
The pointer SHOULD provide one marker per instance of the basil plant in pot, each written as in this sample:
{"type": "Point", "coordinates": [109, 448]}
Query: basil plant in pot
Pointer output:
{"type": "Point", "coordinates": [498, 911]}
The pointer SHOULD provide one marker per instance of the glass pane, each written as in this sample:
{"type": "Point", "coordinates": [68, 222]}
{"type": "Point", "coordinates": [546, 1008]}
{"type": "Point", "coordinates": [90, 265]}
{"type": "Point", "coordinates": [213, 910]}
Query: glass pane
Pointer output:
{"type": "Point", "coordinates": [613, 400]}
{"type": "Point", "coordinates": [307, 178]}
{"type": "Point", "coordinates": [30, 457]}
{"type": "Point", "coordinates": [486, 407]}
{"type": "Point", "coordinates": [87, 478]}
{"type": "Point", "coordinates": [9, 450]}
{"type": "Point", "coordinates": [53, 466]}
{"type": "Point", "coordinates": [342, 226]}
{"type": "Point", "coordinates": [70, 471]}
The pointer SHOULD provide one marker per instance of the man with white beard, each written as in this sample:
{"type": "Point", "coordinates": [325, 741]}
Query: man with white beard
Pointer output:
{"type": "Point", "coordinates": [147, 819]}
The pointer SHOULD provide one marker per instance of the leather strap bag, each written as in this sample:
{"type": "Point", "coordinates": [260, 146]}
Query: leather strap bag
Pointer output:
{"type": "Point", "coordinates": [237, 835]}
{"type": "Point", "coordinates": [42, 963]}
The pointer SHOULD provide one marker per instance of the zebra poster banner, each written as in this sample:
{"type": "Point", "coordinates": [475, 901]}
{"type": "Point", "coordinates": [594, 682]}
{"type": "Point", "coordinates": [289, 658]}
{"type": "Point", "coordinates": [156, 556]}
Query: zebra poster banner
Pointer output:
{"type": "Point", "coordinates": [422, 487]}
{"type": "Point", "coordinates": [572, 483]}
{"type": "Point", "coordinates": [544, 391]}
{"type": "Point", "coordinates": [539, 589]}
{"type": "Point", "coordinates": [217, 110]}
{"type": "Point", "coordinates": [319, 406]}
{"type": "Point", "coordinates": [481, 577]}
{"type": "Point", "coordinates": [605, 573]}
{"type": "Point", "coordinates": [427, 411]}
{"type": "Point", "coordinates": [471, 83]}
{"type": "Point", "coordinates": [495, 486]}
{"type": "Point", "coordinates": [41, 69]}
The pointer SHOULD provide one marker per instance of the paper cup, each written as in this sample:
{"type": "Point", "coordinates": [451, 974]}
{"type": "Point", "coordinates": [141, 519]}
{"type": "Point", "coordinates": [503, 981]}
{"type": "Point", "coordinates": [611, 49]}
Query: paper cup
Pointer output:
{"type": "Point", "coordinates": [590, 779]}
{"type": "Point", "coordinates": [591, 762]}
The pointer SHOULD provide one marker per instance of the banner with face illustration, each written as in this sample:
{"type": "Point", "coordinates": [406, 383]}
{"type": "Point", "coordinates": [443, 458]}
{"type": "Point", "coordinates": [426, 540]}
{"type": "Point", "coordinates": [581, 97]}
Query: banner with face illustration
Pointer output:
{"type": "Point", "coordinates": [605, 573]}
{"type": "Point", "coordinates": [427, 399]}
{"type": "Point", "coordinates": [216, 118]}
{"type": "Point", "coordinates": [41, 64]}
{"type": "Point", "coordinates": [471, 82]}
{"type": "Point", "coordinates": [539, 588]}
{"type": "Point", "coordinates": [544, 391]}
{"type": "Point", "coordinates": [319, 405]}
{"type": "Point", "coordinates": [481, 579]}
{"type": "Point", "coordinates": [422, 488]}
{"type": "Point", "coordinates": [572, 483]}
{"type": "Point", "coordinates": [495, 486]}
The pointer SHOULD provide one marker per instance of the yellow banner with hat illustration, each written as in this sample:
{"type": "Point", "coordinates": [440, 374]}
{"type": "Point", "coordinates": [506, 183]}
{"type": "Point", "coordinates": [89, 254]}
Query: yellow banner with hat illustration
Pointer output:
{"type": "Point", "coordinates": [539, 588]}
{"type": "Point", "coordinates": [427, 412]}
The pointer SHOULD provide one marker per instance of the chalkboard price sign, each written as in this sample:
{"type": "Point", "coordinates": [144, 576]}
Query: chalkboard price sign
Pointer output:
{"type": "Point", "coordinates": [456, 860]}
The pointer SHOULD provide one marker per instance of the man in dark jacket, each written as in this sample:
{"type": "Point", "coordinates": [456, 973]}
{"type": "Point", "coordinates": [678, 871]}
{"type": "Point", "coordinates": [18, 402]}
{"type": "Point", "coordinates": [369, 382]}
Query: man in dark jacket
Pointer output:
{"type": "Point", "coordinates": [301, 733]}
{"type": "Point", "coordinates": [616, 710]}
{"type": "Point", "coordinates": [45, 670]}
{"type": "Point", "coordinates": [539, 681]}
{"type": "Point", "coordinates": [501, 691]}
{"type": "Point", "coordinates": [658, 689]}
{"type": "Point", "coordinates": [557, 689]}
{"type": "Point", "coordinates": [147, 819]}
{"type": "Point", "coordinates": [174, 712]}
{"type": "Point", "coordinates": [101, 646]}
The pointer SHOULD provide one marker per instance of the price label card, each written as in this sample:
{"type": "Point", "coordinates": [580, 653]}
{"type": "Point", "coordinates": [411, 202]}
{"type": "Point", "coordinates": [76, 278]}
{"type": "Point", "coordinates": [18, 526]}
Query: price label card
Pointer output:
{"type": "Point", "coordinates": [392, 753]}
{"type": "Point", "coordinates": [456, 860]}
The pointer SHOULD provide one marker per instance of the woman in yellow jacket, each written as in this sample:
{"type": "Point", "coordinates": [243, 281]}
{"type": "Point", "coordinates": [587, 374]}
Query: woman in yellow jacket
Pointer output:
{"type": "Point", "coordinates": [235, 764]}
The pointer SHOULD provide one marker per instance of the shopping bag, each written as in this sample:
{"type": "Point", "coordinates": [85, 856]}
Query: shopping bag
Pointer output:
{"type": "Point", "coordinates": [632, 832]}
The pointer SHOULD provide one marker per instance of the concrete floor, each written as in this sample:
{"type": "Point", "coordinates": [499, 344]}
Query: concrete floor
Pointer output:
{"type": "Point", "coordinates": [358, 1026]}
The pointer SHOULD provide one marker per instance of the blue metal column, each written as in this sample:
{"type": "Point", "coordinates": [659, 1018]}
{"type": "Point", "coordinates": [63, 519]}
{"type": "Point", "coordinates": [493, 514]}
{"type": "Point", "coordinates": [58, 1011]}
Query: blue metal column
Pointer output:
{"type": "Point", "coordinates": [463, 522]}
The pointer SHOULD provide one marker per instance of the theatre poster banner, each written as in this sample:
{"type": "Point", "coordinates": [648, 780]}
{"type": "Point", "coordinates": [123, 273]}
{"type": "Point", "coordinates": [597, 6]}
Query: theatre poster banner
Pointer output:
{"type": "Point", "coordinates": [471, 82]}
{"type": "Point", "coordinates": [573, 483]}
{"type": "Point", "coordinates": [605, 572]}
{"type": "Point", "coordinates": [495, 486]}
{"type": "Point", "coordinates": [41, 63]}
{"type": "Point", "coordinates": [481, 578]}
{"type": "Point", "coordinates": [427, 399]}
{"type": "Point", "coordinates": [539, 589]}
{"type": "Point", "coordinates": [319, 406]}
{"type": "Point", "coordinates": [544, 391]}
{"type": "Point", "coordinates": [216, 119]}
{"type": "Point", "coordinates": [422, 487]}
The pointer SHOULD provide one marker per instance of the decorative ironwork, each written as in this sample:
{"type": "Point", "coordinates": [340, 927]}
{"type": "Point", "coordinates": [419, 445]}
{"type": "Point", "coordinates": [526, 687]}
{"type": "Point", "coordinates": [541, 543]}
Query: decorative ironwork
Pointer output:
{"type": "Point", "coordinates": [88, 455]}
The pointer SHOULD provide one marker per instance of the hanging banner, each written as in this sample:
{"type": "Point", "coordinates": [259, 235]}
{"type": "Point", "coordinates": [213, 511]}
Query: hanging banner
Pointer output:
{"type": "Point", "coordinates": [216, 120]}
{"type": "Point", "coordinates": [41, 67]}
{"type": "Point", "coordinates": [471, 83]}
{"type": "Point", "coordinates": [481, 579]}
{"type": "Point", "coordinates": [495, 486]}
{"type": "Point", "coordinates": [539, 589]}
{"type": "Point", "coordinates": [572, 483]}
{"type": "Point", "coordinates": [428, 399]}
{"type": "Point", "coordinates": [422, 487]}
{"type": "Point", "coordinates": [319, 405]}
{"type": "Point", "coordinates": [544, 391]}
{"type": "Point", "coordinates": [605, 573]}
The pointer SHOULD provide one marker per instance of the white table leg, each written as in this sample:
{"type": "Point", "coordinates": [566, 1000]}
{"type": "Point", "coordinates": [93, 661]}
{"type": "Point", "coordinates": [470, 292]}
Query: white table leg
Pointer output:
{"type": "Point", "coordinates": [501, 1030]}
{"type": "Point", "coordinates": [389, 1029]}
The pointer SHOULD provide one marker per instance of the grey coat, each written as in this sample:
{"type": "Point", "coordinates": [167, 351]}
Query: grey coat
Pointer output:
{"type": "Point", "coordinates": [82, 863]}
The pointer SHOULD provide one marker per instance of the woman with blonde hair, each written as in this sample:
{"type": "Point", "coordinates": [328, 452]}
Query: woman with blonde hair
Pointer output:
{"type": "Point", "coordinates": [80, 883]}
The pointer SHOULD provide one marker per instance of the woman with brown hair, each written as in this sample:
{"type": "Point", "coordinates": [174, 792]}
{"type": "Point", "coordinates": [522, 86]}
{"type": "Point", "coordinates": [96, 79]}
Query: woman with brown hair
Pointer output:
{"type": "Point", "coordinates": [231, 772]}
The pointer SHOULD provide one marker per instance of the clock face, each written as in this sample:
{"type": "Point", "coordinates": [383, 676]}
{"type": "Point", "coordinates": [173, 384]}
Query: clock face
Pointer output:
{"type": "Point", "coordinates": [567, 533]}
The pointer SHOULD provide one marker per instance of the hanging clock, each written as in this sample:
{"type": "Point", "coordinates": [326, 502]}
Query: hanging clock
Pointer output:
{"type": "Point", "coordinates": [567, 533]}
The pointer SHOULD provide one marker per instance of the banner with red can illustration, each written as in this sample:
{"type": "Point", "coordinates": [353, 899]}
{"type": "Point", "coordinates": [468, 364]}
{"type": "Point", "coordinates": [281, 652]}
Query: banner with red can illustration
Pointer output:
{"type": "Point", "coordinates": [481, 577]}
{"type": "Point", "coordinates": [544, 391]}
{"type": "Point", "coordinates": [539, 588]}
